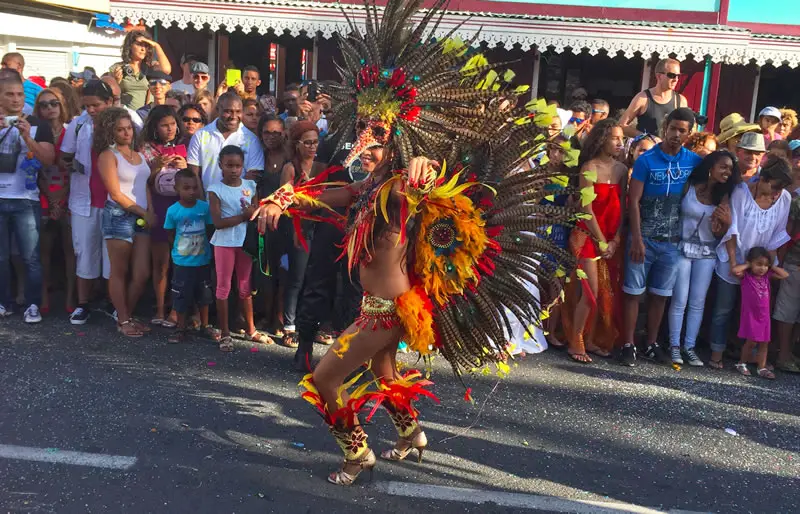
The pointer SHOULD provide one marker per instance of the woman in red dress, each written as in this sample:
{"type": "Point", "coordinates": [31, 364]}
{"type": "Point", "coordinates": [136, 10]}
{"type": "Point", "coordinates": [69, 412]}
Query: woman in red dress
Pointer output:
{"type": "Point", "coordinates": [592, 297]}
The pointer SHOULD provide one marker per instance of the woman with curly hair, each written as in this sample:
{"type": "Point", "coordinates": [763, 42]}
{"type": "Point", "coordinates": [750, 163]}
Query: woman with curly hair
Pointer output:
{"type": "Point", "coordinates": [127, 216]}
{"type": "Point", "coordinates": [596, 240]}
{"type": "Point", "coordinates": [702, 143]}
{"type": "Point", "coordinates": [788, 122]}
{"type": "Point", "coordinates": [139, 55]}
{"type": "Point", "coordinates": [705, 217]}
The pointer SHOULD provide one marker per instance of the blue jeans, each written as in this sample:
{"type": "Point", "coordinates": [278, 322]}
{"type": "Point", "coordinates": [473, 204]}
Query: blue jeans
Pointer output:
{"type": "Point", "coordinates": [691, 286]}
{"type": "Point", "coordinates": [21, 218]}
{"type": "Point", "coordinates": [658, 271]}
{"type": "Point", "coordinates": [724, 305]}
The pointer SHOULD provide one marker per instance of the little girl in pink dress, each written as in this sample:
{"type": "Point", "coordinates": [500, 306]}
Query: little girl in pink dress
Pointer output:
{"type": "Point", "coordinates": [754, 326]}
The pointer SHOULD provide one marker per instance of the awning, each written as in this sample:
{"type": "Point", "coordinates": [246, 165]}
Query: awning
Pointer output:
{"type": "Point", "coordinates": [774, 49]}
{"type": "Point", "coordinates": [722, 43]}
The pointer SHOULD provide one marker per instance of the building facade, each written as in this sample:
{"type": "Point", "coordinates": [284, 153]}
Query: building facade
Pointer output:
{"type": "Point", "coordinates": [59, 36]}
{"type": "Point", "coordinates": [736, 55]}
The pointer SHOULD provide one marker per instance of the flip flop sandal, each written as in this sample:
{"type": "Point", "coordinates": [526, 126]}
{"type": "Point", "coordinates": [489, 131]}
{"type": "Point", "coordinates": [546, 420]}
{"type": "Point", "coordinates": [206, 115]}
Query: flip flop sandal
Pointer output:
{"type": "Point", "coordinates": [226, 344]}
{"type": "Point", "coordinates": [260, 337]}
{"type": "Point", "coordinates": [141, 325]}
{"type": "Point", "coordinates": [133, 331]}
{"type": "Point", "coordinates": [766, 373]}
{"type": "Point", "coordinates": [715, 364]}
{"type": "Point", "coordinates": [290, 340]}
{"type": "Point", "coordinates": [167, 323]}
{"type": "Point", "coordinates": [212, 333]}
{"type": "Point", "coordinates": [325, 338]}
{"type": "Point", "coordinates": [159, 322]}
{"type": "Point", "coordinates": [575, 357]}
{"type": "Point", "coordinates": [741, 367]}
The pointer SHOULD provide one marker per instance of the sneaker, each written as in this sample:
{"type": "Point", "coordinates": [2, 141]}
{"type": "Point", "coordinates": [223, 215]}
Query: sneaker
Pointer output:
{"type": "Point", "coordinates": [79, 316]}
{"type": "Point", "coordinates": [628, 356]}
{"type": "Point", "coordinates": [692, 357]}
{"type": "Point", "coordinates": [4, 313]}
{"type": "Point", "coordinates": [675, 353]}
{"type": "Point", "coordinates": [32, 314]}
{"type": "Point", "coordinates": [655, 353]}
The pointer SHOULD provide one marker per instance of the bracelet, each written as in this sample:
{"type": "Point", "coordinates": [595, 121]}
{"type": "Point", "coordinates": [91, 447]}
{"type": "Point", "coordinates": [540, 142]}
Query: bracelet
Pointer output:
{"type": "Point", "coordinates": [283, 197]}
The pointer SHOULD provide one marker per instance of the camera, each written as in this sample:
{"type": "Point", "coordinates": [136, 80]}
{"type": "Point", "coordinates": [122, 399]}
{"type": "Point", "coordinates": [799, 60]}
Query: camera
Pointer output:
{"type": "Point", "coordinates": [127, 70]}
{"type": "Point", "coordinates": [11, 121]}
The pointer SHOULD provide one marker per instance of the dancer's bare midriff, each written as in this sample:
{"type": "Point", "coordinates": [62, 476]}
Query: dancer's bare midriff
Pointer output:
{"type": "Point", "coordinates": [383, 274]}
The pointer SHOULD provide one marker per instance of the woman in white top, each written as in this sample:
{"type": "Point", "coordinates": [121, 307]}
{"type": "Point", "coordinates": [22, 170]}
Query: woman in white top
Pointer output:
{"type": "Point", "coordinates": [705, 218]}
{"type": "Point", "coordinates": [759, 212]}
{"type": "Point", "coordinates": [126, 216]}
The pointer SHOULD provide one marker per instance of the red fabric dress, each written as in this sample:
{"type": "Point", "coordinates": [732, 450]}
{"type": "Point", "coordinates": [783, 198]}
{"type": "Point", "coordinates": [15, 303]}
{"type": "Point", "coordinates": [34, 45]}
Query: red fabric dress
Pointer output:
{"type": "Point", "coordinates": [601, 327]}
{"type": "Point", "coordinates": [607, 212]}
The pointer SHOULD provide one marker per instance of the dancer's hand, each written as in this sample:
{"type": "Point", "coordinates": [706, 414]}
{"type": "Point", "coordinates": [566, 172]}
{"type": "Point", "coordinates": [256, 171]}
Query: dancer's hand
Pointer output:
{"type": "Point", "coordinates": [421, 172]}
{"type": "Point", "coordinates": [268, 216]}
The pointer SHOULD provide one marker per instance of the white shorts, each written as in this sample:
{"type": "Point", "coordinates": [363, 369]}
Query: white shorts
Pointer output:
{"type": "Point", "coordinates": [91, 254]}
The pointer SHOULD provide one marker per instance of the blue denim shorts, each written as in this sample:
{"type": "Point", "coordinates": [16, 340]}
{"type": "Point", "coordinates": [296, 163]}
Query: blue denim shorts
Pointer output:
{"type": "Point", "coordinates": [119, 223]}
{"type": "Point", "coordinates": [656, 274]}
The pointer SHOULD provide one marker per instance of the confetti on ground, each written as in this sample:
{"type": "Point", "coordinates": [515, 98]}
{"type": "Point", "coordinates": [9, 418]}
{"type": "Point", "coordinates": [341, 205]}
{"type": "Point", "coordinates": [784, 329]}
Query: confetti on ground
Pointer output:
{"type": "Point", "coordinates": [212, 363]}
{"type": "Point", "coordinates": [254, 349]}
{"type": "Point", "coordinates": [731, 431]}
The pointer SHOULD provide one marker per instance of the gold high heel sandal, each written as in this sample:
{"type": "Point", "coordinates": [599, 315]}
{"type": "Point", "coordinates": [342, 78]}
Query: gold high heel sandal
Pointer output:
{"type": "Point", "coordinates": [353, 443]}
{"type": "Point", "coordinates": [341, 477]}
{"type": "Point", "coordinates": [417, 441]}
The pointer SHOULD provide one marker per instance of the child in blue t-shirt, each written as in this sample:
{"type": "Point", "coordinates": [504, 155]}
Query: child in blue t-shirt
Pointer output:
{"type": "Point", "coordinates": [187, 223]}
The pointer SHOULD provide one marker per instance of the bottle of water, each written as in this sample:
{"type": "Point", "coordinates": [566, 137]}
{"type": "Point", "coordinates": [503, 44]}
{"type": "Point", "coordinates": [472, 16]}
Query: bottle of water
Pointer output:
{"type": "Point", "coordinates": [31, 166]}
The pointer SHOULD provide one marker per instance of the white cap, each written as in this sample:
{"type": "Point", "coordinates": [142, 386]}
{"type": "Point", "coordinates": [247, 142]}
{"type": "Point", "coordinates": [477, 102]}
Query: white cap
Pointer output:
{"type": "Point", "coordinates": [770, 111]}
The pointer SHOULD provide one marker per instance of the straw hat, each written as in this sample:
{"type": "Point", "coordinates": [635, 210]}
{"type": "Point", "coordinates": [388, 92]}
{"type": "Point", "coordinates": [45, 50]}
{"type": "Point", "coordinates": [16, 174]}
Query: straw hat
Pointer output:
{"type": "Point", "coordinates": [753, 141]}
{"type": "Point", "coordinates": [734, 124]}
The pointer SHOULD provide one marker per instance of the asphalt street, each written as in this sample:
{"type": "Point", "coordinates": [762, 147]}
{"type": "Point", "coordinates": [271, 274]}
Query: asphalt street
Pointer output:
{"type": "Point", "coordinates": [186, 428]}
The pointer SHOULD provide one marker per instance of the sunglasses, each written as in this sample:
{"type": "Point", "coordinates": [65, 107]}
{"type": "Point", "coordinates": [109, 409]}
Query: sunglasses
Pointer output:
{"type": "Point", "coordinates": [595, 111]}
{"type": "Point", "coordinates": [155, 82]}
{"type": "Point", "coordinates": [274, 133]}
{"type": "Point", "coordinates": [671, 76]}
{"type": "Point", "coordinates": [576, 121]}
{"type": "Point", "coordinates": [52, 104]}
{"type": "Point", "coordinates": [310, 143]}
{"type": "Point", "coordinates": [201, 76]}
{"type": "Point", "coordinates": [187, 119]}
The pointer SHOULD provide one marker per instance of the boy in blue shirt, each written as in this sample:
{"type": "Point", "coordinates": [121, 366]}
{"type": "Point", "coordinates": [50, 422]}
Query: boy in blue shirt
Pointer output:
{"type": "Point", "coordinates": [654, 205]}
{"type": "Point", "coordinates": [187, 223]}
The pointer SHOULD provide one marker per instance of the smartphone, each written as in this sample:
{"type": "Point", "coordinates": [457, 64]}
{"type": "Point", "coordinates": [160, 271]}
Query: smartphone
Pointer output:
{"type": "Point", "coordinates": [232, 77]}
{"type": "Point", "coordinates": [312, 91]}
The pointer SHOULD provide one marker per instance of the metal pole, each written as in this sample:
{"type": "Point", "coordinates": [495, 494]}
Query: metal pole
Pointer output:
{"type": "Point", "coordinates": [755, 96]}
{"type": "Point", "coordinates": [537, 65]}
{"type": "Point", "coordinates": [706, 89]}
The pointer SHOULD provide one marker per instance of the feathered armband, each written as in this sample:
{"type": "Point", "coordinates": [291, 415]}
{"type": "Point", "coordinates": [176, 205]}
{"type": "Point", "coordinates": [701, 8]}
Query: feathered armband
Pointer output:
{"type": "Point", "coordinates": [298, 201]}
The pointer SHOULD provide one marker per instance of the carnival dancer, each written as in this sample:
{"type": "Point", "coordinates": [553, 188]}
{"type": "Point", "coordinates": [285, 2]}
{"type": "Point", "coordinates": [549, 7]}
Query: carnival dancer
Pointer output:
{"type": "Point", "coordinates": [444, 236]}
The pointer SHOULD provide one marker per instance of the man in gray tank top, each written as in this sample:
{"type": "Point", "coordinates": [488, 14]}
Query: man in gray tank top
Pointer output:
{"type": "Point", "coordinates": [651, 106]}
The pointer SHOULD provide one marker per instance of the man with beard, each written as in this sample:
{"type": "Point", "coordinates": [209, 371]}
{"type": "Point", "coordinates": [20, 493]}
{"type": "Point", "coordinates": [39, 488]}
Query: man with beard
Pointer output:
{"type": "Point", "coordinates": [204, 148]}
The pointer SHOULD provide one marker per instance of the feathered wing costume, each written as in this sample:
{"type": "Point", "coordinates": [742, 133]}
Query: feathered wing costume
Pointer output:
{"type": "Point", "coordinates": [480, 230]}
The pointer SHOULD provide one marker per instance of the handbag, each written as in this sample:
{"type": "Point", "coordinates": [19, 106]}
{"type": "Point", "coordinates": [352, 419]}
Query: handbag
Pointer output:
{"type": "Point", "coordinates": [164, 182]}
{"type": "Point", "coordinates": [255, 245]}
